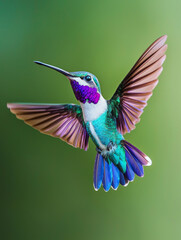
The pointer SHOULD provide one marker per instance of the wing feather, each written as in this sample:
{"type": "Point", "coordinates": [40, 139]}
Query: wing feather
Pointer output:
{"type": "Point", "coordinates": [136, 88]}
{"type": "Point", "coordinates": [64, 121]}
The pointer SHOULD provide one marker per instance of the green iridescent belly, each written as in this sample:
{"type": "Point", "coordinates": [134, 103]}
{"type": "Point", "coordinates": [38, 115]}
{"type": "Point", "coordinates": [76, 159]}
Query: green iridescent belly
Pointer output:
{"type": "Point", "coordinates": [103, 130]}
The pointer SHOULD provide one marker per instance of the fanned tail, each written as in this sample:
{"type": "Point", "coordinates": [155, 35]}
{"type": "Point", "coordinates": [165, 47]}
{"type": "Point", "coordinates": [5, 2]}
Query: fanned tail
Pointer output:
{"type": "Point", "coordinates": [108, 175]}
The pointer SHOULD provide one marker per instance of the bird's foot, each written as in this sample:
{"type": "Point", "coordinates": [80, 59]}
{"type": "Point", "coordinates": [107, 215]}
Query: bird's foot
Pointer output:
{"type": "Point", "coordinates": [110, 149]}
{"type": "Point", "coordinates": [111, 146]}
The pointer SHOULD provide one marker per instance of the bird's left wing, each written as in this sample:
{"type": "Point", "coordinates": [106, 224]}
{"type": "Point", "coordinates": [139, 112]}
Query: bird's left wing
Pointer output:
{"type": "Point", "coordinates": [64, 121]}
{"type": "Point", "coordinates": [132, 94]}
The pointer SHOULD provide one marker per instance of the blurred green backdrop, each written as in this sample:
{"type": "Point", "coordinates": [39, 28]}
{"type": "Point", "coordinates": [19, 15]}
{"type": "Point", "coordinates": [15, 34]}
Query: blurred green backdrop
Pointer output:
{"type": "Point", "coordinates": [47, 186]}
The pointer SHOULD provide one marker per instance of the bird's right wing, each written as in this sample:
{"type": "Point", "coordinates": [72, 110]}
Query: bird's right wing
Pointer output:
{"type": "Point", "coordinates": [136, 88]}
{"type": "Point", "coordinates": [64, 121]}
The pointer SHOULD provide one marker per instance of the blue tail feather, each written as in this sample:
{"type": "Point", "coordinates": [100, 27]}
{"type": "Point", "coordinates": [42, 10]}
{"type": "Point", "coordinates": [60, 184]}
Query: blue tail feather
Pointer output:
{"type": "Point", "coordinates": [129, 173]}
{"type": "Point", "coordinates": [134, 164]}
{"type": "Point", "coordinates": [107, 177]}
{"type": "Point", "coordinates": [108, 174]}
{"type": "Point", "coordinates": [123, 180]}
{"type": "Point", "coordinates": [142, 158]}
{"type": "Point", "coordinates": [116, 177]}
{"type": "Point", "coordinates": [98, 171]}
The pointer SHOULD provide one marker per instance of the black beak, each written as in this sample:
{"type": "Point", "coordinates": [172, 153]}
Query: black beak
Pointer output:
{"type": "Point", "coordinates": [67, 74]}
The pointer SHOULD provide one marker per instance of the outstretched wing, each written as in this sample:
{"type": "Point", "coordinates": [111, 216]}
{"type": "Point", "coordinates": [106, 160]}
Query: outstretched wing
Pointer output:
{"type": "Point", "coordinates": [64, 121]}
{"type": "Point", "coordinates": [132, 94]}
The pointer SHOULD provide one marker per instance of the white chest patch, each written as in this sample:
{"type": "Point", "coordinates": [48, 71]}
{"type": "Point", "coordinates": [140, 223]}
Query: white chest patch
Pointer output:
{"type": "Point", "coordinates": [92, 111]}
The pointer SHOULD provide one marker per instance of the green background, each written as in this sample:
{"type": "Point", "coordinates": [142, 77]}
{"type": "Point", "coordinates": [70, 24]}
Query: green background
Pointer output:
{"type": "Point", "coordinates": [47, 186]}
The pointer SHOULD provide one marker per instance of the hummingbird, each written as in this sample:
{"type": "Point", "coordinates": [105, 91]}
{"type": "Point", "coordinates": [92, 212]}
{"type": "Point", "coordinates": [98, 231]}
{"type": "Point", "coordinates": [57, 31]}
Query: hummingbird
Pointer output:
{"type": "Point", "coordinates": [104, 121]}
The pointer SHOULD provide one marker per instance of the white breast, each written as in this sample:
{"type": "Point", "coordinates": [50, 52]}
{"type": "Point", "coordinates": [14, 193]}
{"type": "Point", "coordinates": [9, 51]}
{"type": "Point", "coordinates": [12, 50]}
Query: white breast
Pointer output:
{"type": "Point", "coordinates": [92, 111]}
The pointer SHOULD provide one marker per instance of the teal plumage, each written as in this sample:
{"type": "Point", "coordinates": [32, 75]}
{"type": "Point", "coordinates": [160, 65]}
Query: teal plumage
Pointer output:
{"type": "Point", "coordinates": [105, 127]}
{"type": "Point", "coordinates": [106, 122]}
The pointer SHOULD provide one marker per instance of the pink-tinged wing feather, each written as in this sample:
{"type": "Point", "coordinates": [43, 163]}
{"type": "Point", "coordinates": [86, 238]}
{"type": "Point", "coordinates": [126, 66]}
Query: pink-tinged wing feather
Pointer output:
{"type": "Point", "coordinates": [134, 91]}
{"type": "Point", "coordinates": [64, 121]}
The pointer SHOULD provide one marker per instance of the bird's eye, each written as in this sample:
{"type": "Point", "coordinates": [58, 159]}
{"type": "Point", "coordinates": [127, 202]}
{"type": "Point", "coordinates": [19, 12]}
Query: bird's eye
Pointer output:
{"type": "Point", "coordinates": [88, 77]}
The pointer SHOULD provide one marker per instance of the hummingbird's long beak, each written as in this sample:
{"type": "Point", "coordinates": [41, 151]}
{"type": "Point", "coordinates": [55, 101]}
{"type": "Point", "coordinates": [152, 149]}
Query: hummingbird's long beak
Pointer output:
{"type": "Point", "coordinates": [67, 74]}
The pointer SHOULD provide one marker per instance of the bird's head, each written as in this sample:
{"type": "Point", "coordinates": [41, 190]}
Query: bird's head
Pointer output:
{"type": "Point", "coordinates": [85, 85]}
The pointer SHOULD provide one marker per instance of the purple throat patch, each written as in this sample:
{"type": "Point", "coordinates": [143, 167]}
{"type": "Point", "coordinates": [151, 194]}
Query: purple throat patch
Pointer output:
{"type": "Point", "coordinates": [84, 93]}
